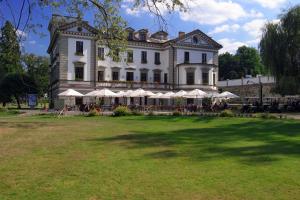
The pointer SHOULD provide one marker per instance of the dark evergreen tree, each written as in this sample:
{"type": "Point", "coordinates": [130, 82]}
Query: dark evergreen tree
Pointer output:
{"type": "Point", "coordinates": [10, 53]}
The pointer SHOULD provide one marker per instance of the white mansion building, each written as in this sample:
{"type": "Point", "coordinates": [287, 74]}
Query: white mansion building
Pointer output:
{"type": "Point", "coordinates": [152, 61]}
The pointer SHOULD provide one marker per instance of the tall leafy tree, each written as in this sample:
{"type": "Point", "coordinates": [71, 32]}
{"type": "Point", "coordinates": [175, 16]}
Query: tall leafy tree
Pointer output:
{"type": "Point", "coordinates": [37, 69]}
{"type": "Point", "coordinates": [246, 61]}
{"type": "Point", "coordinates": [16, 85]}
{"type": "Point", "coordinates": [280, 50]}
{"type": "Point", "coordinates": [228, 67]}
{"type": "Point", "coordinates": [249, 61]}
{"type": "Point", "coordinates": [9, 51]}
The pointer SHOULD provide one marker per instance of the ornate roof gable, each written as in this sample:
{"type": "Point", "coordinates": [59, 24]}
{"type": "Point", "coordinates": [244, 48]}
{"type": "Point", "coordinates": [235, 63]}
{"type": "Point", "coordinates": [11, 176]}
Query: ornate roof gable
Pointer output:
{"type": "Point", "coordinates": [79, 27]}
{"type": "Point", "coordinates": [197, 38]}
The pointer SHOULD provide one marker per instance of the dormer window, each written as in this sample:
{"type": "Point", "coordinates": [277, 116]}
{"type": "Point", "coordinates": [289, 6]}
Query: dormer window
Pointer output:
{"type": "Point", "coordinates": [195, 40]}
{"type": "Point", "coordinates": [143, 36]}
{"type": "Point", "coordinates": [130, 35]}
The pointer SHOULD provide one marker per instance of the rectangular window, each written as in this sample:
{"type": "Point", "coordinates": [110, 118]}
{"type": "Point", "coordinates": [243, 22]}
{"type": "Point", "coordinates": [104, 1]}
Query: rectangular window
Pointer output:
{"type": "Point", "coordinates": [101, 53]}
{"type": "Point", "coordinates": [130, 36]}
{"type": "Point", "coordinates": [79, 48]}
{"type": "Point", "coordinates": [130, 56]}
{"type": "Point", "coordinates": [205, 78]}
{"type": "Point", "coordinates": [186, 57]}
{"type": "Point", "coordinates": [129, 76]}
{"type": "Point", "coordinates": [157, 58]}
{"type": "Point", "coordinates": [204, 58]}
{"type": "Point", "coordinates": [115, 76]}
{"type": "Point", "coordinates": [100, 76]}
{"type": "Point", "coordinates": [79, 73]}
{"type": "Point", "coordinates": [190, 78]}
{"type": "Point", "coordinates": [214, 79]}
{"type": "Point", "coordinates": [144, 77]}
{"type": "Point", "coordinates": [144, 57]}
{"type": "Point", "coordinates": [165, 78]}
{"type": "Point", "coordinates": [143, 36]}
{"type": "Point", "coordinates": [156, 77]}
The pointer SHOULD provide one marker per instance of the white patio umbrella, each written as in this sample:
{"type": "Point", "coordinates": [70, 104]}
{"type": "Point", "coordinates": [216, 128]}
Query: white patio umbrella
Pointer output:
{"type": "Point", "coordinates": [167, 95]}
{"type": "Point", "coordinates": [105, 93]}
{"type": "Point", "coordinates": [127, 93]}
{"type": "Point", "coordinates": [179, 94]}
{"type": "Point", "coordinates": [120, 94]}
{"type": "Point", "coordinates": [138, 93]}
{"type": "Point", "coordinates": [148, 93]}
{"type": "Point", "coordinates": [227, 95]}
{"type": "Point", "coordinates": [70, 93]}
{"type": "Point", "coordinates": [196, 94]}
{"type": "Point", "coordinates": [91, 94]}
{"type": "Point", "coordinates": [156, 96]}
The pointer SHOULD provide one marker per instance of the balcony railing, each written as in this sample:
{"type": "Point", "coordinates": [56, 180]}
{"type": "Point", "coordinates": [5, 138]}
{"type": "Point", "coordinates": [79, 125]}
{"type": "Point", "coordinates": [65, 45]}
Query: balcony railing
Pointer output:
{"type": "Point", "coordinates": [127, 85]}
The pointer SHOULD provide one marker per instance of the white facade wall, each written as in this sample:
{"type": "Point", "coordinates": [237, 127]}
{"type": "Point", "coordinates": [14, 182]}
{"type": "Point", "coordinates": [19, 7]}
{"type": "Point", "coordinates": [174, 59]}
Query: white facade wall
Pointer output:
{"type": "Point", "coordinates": [195, 56]}
{"type": "Point", "coordinates": [75, 58]}
{"type": "Point", "coordinates": [108, 64]}
{"type": "Point", "coordinates": [135, 67]}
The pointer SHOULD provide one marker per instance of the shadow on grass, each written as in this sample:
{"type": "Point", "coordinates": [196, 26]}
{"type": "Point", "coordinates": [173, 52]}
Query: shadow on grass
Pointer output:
{"type": "Point", "coordinates": [252, 143]}
{"type": "Point", "coordinates": [23, 125]}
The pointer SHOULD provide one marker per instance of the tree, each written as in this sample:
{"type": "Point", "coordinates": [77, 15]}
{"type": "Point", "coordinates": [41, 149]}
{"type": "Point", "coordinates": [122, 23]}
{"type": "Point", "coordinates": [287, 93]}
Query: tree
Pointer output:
{"type": "Point", "coordinates": [249, 61]}
{"type": "Point", "coordinates": [9, 51]}
{"type": "Point", "coordinates": [246, 61]}
{"type": "Point", "coordinates": [16, 85]}
{"type": "Point", "coordinates": [280, 51]}
{"type": "Point", "coordinates": [37, 69]}
{"type": "Point", "coordinates": [228, 67]}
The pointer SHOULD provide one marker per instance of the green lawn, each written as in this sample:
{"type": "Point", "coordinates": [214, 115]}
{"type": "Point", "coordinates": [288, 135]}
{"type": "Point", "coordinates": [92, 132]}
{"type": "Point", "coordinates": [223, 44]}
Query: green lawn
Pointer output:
{"type": "Point", "coordinates": [136, 158]}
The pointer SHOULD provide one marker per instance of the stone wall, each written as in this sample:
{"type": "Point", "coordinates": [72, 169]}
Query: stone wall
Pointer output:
{"type": "Point", "coordinates": [251, 90]}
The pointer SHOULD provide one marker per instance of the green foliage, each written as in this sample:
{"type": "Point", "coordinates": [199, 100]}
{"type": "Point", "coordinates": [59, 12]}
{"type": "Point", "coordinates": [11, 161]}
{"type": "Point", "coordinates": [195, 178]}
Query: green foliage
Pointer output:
{"type": "Point", "coordinates": [279, 48]}
{"type": "Point", "coordinates": [137, 113]}
{"type": "Point", "coordinates": [37, 69]}
{"type": "Point", "coordinates": [9, 51]}
{"type": "Point", "coordinates": [267, 116]}
{"type": "Point", "coordinates": [176, 113]}
{"type": "Point", "coordinates": [16, 86]}
{"type": "Point", "coordinates": [246, 61]}
{"type": "Point", "coordinates": [121, 111]}
{"type": "Point", "coordinates": [226, 113]}
{"type": "Point", "coordinates": [93, 113]}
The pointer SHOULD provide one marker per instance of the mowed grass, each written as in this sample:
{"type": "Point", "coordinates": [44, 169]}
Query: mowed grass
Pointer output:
{"type": "Point", "coordinates": [136, 158]}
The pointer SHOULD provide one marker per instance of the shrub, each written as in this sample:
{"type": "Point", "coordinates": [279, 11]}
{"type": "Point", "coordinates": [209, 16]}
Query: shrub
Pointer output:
{"type": "Point", "coordinates": [3, 109]}
{"type": "Point", "coordinates": [121, 111]}
{"type": "Point", "coordinates": [151, 113]}
{"type": "Point", "coordinates": [137, 113]}
{"type": "Point", "coordinates": [267, 116]}
{"type": "Point", "coordinates": [227, 113]}
{"type": "Point", "coordinates": [176, 113]}
{"type": "Point", "coordinates": [93, 112]}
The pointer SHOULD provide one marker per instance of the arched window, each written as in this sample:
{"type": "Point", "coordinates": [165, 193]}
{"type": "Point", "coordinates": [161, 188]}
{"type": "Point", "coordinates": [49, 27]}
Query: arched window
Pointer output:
{"type": "Point", "coordinates": [195, 40]}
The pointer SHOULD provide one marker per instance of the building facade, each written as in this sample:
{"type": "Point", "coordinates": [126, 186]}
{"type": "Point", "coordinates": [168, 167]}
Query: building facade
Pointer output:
{"type": "Point", "coordinates": [151, 61]}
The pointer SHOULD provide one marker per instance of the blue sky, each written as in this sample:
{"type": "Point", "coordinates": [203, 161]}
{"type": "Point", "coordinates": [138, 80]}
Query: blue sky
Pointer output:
{"type": "Point", "coordinates": [232, 23]}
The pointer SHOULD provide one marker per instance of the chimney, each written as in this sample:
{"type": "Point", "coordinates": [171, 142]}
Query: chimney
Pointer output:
{"type": "Point", "coordinates": [181, 34]}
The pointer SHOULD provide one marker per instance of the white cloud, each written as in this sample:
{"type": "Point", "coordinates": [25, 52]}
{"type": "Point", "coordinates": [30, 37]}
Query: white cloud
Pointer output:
{"type": "Point", "coordinates": [212, 11]}
{"type": "Point", "coordinates": [254, 27]}
{"type": "Point", "coordinates": [225, 28]}
{"type": "Point", "coordinates": [272, 4]}
{"type": "Point", "coordinates": [230, 45]}
{"type": "Point", "coordinates": [255, 14]}
{"type": "Point", "coordinates": [21, 33]}
{"type": "Point", "coordinates": [137, 11]}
